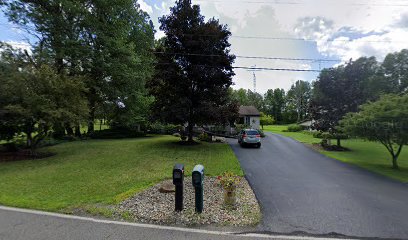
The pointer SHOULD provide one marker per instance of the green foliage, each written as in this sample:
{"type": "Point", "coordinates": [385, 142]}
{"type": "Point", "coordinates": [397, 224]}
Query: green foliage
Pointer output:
{"type": "Point", "coordinates": [229, 180]}
{"type": "Point", "coordinates": [266, 120]}
{"type": "Point", "coordinates": [104, 172]}
{"type": "Point", "coordinates": [34, 98]}
{"type": "Point", "coordinates": [109, 42]}
{"type": "Point", "coordinates": [298, 98]}
{"type": "Point", "coordinates": [274, 101]}
{"type": "Point", "coordinates": [204, 137]}
{"type": "Point", "coordinates": [294, 128]}
{"type": "Point", "coordinates": [384, 121]}
{"type": "Point", "coordinates": [116, 133]}
{"type": "Point", "coordinates": [395, 75]}
{"type": "Point", "coordinates": [317, 134]}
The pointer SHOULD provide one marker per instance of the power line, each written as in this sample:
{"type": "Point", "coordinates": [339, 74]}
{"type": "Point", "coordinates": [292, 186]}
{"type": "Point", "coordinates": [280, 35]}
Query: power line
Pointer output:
{"type": "Point", "coordinates": [295, 39]}
{"type": "Point", "coordinates": [254, 68]}
{"type": "Point", "coordinates": [303, 3]}
{"type": "Point", "coordinates": [313, 40]}
{"type": "Point", "coordinates": [255, 57]}
{"type": "Point", "coordinates": [278, 69]}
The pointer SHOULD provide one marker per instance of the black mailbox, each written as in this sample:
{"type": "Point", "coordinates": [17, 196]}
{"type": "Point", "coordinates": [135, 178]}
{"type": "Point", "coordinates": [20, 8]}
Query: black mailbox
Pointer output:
{"type": "Point", "coordinates": [178, 174]}
{"type": "Point", "coordinates": [198, 184]}
{"type": "Point", "coordinates": [198, 176]}
{"type": "Point", "coordinates": [178, 178]}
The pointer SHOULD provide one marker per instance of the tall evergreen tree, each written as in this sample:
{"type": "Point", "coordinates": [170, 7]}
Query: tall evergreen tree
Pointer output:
{"type": "Point", "coordinates": [189, 84]}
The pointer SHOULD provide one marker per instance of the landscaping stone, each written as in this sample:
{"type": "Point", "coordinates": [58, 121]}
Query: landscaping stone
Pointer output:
{"type": "Point", "coordinates": [166, 187]}
{"type": "Point", "coordinates": [151, 206]}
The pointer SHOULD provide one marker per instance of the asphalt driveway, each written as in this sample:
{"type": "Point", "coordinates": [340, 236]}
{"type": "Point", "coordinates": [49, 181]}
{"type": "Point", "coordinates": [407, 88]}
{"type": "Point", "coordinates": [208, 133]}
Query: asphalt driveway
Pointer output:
{"type": "Point", "coordinates": [301, 190]}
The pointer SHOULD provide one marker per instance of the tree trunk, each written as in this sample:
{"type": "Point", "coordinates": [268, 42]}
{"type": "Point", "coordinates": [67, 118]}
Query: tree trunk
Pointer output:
{"type": "Point", "coordinates": [190, 132]}
{"type": "Point", "coordinates": [91, 118]}
{"type": "Point", "coordinates": [78, 131]}
{"type": "Point", "coordinates": [338, 142]}
{"type": "Point", "coordinates": [59, 131]}
{"type": "Point", "coordinates": [69, 130]}
{"type": "Point", "coordinates": [394, 162]}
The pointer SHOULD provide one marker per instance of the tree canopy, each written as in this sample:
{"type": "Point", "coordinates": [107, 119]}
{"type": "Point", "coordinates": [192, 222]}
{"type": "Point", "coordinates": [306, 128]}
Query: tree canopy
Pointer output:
{"type": "Point", "coordinates": [109, 42]}
{"type": "Point", "coordinates": [384, 121]}
{"type": "Point", "coordinates": [189, 86]}
{"type": "Point", "coordinates": [34, 97]}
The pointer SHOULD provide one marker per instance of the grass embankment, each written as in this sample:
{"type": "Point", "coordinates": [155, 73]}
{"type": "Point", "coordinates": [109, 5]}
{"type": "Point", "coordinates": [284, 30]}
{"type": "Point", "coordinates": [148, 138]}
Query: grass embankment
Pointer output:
{"type": "Point", "coordinates": [369, 155]}
{"type": "Point", "coordinates": [104, 171]}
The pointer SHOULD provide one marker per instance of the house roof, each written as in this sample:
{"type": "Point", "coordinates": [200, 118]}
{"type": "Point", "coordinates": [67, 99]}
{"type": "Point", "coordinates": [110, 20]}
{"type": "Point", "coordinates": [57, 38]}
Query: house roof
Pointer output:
{"type": "Point", "coordinates": [248, 111]}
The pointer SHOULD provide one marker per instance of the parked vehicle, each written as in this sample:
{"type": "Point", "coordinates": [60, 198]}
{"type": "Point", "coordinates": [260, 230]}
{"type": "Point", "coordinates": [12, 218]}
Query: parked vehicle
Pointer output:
{"type": "Point", "coordinates": [249, 137]}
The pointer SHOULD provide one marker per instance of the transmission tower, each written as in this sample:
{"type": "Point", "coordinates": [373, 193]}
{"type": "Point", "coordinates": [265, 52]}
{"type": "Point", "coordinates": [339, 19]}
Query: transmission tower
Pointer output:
{"type": "Point", "coordinates": [253, 70]}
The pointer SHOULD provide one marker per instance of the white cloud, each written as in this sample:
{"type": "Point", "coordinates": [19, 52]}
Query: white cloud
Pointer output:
{"type": "Point", "coordinates": [333, 43]}
{"type": "Point", "coordinates": [358, 28]}
{"type": "Point", "coordinates": [23, 46]}
{"type": "Point", "coordinates": [145, 7]}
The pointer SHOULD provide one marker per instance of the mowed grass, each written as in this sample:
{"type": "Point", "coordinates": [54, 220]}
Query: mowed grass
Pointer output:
{"type": "Point", "coordinates": [369, 155]}
{"type": "Point", "coordinates": [104, 171]}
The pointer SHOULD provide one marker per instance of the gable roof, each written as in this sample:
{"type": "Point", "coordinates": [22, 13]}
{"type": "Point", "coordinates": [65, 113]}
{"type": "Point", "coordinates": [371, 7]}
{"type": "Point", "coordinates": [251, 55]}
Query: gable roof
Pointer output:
{"type": "Point", "coordinates": [248, 111]}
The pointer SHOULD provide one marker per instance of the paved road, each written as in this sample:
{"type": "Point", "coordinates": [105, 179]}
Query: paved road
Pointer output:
{"type": "Point", "coordinates": [302, 190]}
{"type": "Point", "coordinates": [20, 224]}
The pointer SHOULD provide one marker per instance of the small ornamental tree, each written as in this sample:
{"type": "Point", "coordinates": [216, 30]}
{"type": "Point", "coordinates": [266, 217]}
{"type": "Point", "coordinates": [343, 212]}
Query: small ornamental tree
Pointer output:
{"type": "Point", "coordinates": [266, 120]}
{"type": "Point", "coordinates": [384, 121]}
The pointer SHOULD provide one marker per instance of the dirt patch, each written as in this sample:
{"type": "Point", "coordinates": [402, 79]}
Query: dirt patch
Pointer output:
{"type": "Point", "coordinates": [23, 155]}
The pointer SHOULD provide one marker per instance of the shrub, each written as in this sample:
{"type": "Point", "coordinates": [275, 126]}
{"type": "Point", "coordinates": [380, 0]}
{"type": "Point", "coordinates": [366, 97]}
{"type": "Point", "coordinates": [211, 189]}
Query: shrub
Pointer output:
{"type": "Point", "coordinates": [317, 134]}
{"type": "Point", "coordinates": [294, 128]}
{"type": "Point", "coordinates": [116, 133]}
{"type": "Point", "coordinates": [229, 180]}
{"type": "Point", "coordinates": [204, 137]}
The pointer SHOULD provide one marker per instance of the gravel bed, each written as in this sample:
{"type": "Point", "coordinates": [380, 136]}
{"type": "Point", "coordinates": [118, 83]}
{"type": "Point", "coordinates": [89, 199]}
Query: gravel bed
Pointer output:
{"type": "Point", "coordinates": [151, 206]}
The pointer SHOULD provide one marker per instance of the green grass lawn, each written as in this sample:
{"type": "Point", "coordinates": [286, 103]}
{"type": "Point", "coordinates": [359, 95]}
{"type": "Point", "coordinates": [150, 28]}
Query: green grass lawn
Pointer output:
{"type": "Point", "coordinates": [104, 171]}
{"type": "Point", "coordinates": [370, 155]}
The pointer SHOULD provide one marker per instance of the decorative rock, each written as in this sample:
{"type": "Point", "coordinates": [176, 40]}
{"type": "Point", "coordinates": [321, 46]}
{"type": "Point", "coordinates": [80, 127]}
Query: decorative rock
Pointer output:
{"type": "Point", "coordinates": [166, 187]}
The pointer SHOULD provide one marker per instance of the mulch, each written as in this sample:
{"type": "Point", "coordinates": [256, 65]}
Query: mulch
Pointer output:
{"type": "Point", "coordinates": [23, 155]}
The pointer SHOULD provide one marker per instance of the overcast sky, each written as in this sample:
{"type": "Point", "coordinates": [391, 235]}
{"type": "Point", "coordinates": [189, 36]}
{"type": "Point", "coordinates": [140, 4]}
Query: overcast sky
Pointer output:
{"type": "Point", "coordinates": [333, 29]}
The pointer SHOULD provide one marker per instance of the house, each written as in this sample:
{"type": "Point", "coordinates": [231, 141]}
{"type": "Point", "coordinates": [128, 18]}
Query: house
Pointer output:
{"type": "Point", "coordinates": [250, 116]}
{"type": "Point", "coordinates": [307, 124]}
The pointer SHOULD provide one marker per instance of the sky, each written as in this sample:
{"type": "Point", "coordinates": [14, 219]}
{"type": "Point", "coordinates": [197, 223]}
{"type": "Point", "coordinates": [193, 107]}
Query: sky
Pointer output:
{"type": "Point", "coordinates": [328, 32]}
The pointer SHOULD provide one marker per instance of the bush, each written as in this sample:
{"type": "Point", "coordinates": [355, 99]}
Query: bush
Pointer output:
{"type": "Point", "coordinates": [318, 134]}
{"type": "Point", "coordinates": [204, 137]}
{"type": "Point", "coordinates": [10, 147]}
{"type": "Point", "coordinates": [239, 127]}
{"type": "Point", "coordinates": [294, 128]}
{"type": "Point", "coordinates": [116, 133]}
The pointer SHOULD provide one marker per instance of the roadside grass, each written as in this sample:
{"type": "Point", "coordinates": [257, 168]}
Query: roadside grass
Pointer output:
{"type": "Point", "coordinates": [104, 171]}
{"type": "Point", "coordinates": [369, 155]}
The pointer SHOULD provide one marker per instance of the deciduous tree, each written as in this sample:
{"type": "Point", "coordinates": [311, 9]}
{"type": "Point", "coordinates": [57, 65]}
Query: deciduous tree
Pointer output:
{"type": "Point", "coordinates": [384, 121]}
{"type": "Point", "coordinates": [189, 84]}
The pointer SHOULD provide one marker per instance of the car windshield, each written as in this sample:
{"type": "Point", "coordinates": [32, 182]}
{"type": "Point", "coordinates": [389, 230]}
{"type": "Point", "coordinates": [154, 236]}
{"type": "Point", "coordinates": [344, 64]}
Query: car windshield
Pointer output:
{"type": "Point", "coordinates": [252, 132]}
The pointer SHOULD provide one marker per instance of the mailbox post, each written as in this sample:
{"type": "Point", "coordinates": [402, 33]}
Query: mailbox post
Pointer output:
{"type": "Point", "coordinates": [198, 182]}
{"type": "Point", "coordinates": [178, 178]}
